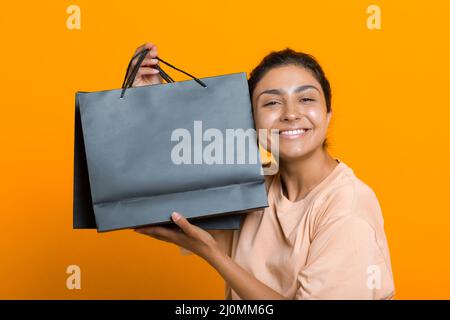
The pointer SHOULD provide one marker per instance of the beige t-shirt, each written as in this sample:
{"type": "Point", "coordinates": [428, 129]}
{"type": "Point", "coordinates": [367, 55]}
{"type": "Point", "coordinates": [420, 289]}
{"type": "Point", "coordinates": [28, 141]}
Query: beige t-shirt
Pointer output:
{"type": "Point", "coordinates": [329, 245]}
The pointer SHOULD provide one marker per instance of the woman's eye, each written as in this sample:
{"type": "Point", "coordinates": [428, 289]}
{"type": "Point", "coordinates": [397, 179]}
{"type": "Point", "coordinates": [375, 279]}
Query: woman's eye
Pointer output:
{"type": "Point", "coordinates": [270, 103]}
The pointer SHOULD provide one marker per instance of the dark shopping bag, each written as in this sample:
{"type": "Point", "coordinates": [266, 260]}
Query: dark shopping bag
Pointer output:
{"type": "Point", "coordinates": [127, 170]}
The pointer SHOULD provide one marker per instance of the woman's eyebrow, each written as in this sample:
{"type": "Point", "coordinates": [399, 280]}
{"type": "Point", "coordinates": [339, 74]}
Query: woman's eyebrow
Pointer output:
{"type": "Point", "coordinates": [281, 91]}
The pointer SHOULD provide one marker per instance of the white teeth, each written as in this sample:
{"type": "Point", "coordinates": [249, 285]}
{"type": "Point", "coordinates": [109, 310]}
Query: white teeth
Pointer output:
{"type": "Point", "coordinates": [293, 132]}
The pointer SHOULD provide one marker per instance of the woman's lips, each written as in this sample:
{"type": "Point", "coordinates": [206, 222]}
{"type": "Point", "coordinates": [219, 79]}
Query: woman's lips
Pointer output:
{"type": "Point", "coordinates": [294, 134]}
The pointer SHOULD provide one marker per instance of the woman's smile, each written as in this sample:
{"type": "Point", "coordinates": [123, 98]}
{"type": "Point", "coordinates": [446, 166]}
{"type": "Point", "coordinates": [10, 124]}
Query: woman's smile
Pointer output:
{"type": "Point", "coordinates": [294, 133]}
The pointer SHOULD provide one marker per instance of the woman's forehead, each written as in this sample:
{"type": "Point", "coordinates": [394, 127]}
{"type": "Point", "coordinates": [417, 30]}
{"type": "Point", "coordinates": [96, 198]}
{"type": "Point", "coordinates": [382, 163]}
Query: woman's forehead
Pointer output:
{"type": "Point", "coordinates": [286, 77]}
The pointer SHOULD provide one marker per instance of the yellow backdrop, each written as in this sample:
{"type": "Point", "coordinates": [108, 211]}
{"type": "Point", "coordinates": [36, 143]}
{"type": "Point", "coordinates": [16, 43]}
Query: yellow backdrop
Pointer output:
{"type": "Point", "coordinates": [390, 125]}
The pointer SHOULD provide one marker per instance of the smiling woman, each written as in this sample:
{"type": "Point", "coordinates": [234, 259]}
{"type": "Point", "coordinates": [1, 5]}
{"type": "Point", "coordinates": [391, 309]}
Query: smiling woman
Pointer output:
{"type": "Point", "coordinates": [322, 236]}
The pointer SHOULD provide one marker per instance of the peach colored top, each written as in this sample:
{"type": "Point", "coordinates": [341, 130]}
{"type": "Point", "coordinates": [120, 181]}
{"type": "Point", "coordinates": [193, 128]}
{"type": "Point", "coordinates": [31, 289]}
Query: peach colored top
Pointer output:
{"type": "Point", "coordinates": [329, 245]}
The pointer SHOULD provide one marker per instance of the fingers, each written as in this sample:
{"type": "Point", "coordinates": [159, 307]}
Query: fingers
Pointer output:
{"type": "Point", "coordinates": [176, 236]}
{"type": "Point", "coordinates": [148, 45]}
{"type": "Point", "coordinates": [161, 233]}
{"type": "Point", "coordinates": [146, 71]}
{"type": "Point", "coordinates": [148, 62]}
{"type": "Point", "coordinates": [150, 56]}
{"type": "Point", "coordinates": [184, 224]}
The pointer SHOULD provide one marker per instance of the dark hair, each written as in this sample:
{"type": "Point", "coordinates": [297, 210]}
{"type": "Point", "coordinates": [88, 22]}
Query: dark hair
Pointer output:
{"type": "Point", "coordinates": [291, 57]}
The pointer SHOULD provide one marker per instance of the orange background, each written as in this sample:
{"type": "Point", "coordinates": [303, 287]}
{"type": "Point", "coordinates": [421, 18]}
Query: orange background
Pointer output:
{"type": "Point", "coordinates": [390, 125]}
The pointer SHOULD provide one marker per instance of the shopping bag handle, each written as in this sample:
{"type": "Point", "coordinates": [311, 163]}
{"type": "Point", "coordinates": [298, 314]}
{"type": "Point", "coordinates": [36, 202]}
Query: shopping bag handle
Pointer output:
{"type": "Point", "coordinates": [129, 77]}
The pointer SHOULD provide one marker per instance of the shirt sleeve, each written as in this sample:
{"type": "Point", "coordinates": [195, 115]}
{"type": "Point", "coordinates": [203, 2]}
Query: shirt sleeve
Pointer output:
{"type": "Point", "coordinates": [345, 262]}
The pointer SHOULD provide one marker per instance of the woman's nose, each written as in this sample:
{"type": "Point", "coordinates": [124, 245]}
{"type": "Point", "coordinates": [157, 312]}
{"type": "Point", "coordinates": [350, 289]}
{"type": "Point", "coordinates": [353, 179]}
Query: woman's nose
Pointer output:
{"type": "Point", "coordinates": [290, 112]}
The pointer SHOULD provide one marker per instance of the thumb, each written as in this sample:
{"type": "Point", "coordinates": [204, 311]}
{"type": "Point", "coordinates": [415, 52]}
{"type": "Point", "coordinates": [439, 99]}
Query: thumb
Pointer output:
{"type": "Point", "coordinates": [184, 224]}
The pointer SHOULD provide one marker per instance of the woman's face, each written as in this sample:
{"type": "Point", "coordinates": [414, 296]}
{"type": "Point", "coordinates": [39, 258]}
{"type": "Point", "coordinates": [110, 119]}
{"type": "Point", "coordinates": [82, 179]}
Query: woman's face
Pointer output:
{"type": "Point", "coordinates": [290, 100]}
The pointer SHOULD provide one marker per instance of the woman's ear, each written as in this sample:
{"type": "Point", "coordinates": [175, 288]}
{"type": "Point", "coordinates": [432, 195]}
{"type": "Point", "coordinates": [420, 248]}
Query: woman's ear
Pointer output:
{"type": "Point", "coordinates": [329, 114]}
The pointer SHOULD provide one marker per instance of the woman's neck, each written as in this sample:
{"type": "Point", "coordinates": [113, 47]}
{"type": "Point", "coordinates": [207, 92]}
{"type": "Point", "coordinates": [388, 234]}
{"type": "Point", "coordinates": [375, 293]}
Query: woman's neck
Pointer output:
{"type": "Point", "coordinates": [300, 176]}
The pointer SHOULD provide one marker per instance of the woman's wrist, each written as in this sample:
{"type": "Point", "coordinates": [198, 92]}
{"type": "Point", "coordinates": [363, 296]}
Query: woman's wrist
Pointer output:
{"type": "Point", "coordinates": [214, 254]}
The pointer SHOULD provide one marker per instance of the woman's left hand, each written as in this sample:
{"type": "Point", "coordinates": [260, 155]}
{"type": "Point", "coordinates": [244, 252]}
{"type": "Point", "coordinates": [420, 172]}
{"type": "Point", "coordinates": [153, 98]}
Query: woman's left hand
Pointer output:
{"type": "Point", "coordinates": [190, 237]}
{"type": "Point", "coordinates": [200, 242]}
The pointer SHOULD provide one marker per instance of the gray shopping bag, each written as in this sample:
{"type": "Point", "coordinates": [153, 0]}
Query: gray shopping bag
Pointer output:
{"type": "Point", "coordinates": [140, 153]}
{"type": "Point", "coordinates": [83, 211]}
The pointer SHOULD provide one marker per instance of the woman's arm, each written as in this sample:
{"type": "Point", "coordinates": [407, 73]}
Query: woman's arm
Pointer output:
{"type": "Point", "coordinates": [240, 280]}
{"type": "Point", "coordinates": [203, 244]}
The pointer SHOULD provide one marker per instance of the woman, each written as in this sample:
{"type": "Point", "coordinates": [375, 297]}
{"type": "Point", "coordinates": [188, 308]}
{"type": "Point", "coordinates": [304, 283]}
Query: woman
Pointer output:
{"type": "Point", "coordinates": [322, 235]}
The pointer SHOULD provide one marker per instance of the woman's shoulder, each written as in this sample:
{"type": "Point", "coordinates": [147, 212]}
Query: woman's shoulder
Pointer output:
{"type": "Point", "coordinates": [350, 196]}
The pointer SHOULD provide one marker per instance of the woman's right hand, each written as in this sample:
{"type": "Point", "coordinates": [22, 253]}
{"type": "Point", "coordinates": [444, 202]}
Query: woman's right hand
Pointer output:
{"type": "Point", "coordinates": [146, 74]}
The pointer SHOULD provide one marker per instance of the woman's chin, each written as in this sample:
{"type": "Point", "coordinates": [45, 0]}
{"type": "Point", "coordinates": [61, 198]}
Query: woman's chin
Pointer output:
{"type": "Point", "coordinates": [290, 155]}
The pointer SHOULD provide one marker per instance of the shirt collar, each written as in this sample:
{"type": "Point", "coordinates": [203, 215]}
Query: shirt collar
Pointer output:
{"type": "Point", "coordinates": [289, 213]}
